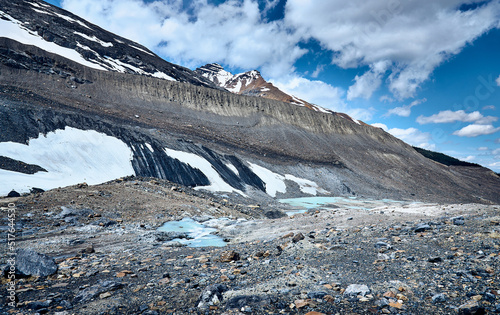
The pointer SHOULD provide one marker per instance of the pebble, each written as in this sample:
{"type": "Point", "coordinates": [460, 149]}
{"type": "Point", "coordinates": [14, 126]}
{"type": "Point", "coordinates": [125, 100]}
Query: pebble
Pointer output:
{"type": "Point", "coordinates": [422, 228]}
{"type": "Point", "coordinates": [439, 298]}
{"type": "Point", "coordinates": [356, 289]}
{"type": "Point", "coordinates": [297, 237]}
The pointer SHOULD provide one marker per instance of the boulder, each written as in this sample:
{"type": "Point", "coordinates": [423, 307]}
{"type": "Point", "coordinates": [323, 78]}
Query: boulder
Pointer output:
{"type": "Point", "coordinates": [13, 193]}
{"type": "Point", "coordinates": [31, 263]}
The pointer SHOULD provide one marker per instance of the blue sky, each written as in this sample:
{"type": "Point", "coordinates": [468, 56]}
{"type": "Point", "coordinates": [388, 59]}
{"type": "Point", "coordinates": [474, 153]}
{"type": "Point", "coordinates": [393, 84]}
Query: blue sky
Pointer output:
{"type": "Point", "coordinates": [427, 71]}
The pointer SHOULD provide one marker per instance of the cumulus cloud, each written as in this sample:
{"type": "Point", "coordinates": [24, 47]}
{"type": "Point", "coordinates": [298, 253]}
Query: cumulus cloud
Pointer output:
{"type": "Point", "coordinates": [322, 94]}
{"type": "Point", "coordinates": [498, 81]}
{"type": "Point", "coordinates": [449, 116]}
{"type": "Point", "coordinates": [401, 40]}
{"type": "Point", "coordinates": [404, 111]}
{"type": "Point", "coordinates": [232, 33]}
{"type": "Point", "coordinates": [411, 136]}
{"type": "Point", "coordinates": [369, 82]}
{"type": "Point", "coordinates": [475, 130]}
{"type": "Point", "coordinates": [417, 36]}
{"type": "Point", "coordinates": [494, 165]}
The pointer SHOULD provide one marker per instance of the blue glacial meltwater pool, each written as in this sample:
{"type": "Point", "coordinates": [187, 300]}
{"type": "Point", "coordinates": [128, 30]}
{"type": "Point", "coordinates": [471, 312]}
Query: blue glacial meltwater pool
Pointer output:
{"type": "Point", "coordinates": [301, 205]}
{"type": "Point", "coordinates": [201, 236]}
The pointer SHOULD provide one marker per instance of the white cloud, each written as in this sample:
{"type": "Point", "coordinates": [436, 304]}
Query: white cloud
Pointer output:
{"type": "Point", "coordinates": [475, 130]}
{"type": "Point", "coordinates": [318, 70]}
{"type": "Point", "coordinates": [386, 99]}
{"type": "Point", "coordinates": [417, 36]}
{"type": "Point", "coordinates": [411, 136]}
{"type": "Point", "coordinates": [381, 126]}
{"type": "Point", "coordinates": [496, 152]}
{"type": "Point", "coordinates": [322, 94]}
{"type": "Point", "coordinates": [498, 81]}
{"type": "Point", "coordinates": [469, 158]}
{"type": "Point", "coordinates": [492, 107]}
{"type": "Point", "coordinates": [404, 111]}
{"type": "Point", "coordinates": [409, 38]}
{"type": "Point", "coordinates": [232, 33]}
{"type": "Point", "coordinates": [369, 82]}
{"type": "Point", "coordinates": [414, 137]}
{"type": "Point", "coordinates": [449, 116]}
{"type": "Point", "coordinates": [483, 149]}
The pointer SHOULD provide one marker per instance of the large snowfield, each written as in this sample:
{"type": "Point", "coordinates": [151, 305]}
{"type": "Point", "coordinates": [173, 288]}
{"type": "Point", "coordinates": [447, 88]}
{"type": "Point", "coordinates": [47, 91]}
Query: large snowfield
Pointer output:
{"type": "Point", "coordinates": [70, 156]}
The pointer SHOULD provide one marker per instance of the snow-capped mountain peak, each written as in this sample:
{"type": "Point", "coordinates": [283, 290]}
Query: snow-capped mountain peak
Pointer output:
{"type": "Point", "coordinates": [253, 84]}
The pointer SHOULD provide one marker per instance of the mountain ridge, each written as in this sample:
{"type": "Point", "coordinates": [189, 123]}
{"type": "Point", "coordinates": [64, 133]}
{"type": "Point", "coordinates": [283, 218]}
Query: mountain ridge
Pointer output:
{"type": "Point", "coordinates": [61, 32]}
{"type": "Point", "coordinates": [199, 134]}
{"type": "Point", "coordinates": [252, 83]}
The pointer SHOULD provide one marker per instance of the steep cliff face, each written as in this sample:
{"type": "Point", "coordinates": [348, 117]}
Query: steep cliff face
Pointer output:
{"type": "Point", "coordinates": [251, 83]}
{"type": "Point", "coordinates": [199, 136]}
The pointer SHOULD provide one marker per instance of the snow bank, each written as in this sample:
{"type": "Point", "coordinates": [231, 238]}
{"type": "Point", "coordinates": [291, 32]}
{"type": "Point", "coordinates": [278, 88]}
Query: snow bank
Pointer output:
{"type": "Point", "coordinates": [195, 161]}
{"type": "Point", "coordinates": [70, 156]}
{"type": "Point", "coordinates": [274, 182]}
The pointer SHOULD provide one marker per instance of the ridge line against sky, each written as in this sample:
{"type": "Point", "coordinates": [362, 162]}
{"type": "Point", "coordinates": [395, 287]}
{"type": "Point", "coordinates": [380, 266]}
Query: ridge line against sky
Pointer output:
{"type": "Point", "coordinates": [427, 72]}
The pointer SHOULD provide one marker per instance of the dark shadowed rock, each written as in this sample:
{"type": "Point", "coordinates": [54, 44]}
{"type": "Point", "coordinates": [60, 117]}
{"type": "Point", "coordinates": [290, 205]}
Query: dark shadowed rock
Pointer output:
{"type": "Point", "coordinates": [439, 298]}
{"type": "Point", "coordinates": [435, 259]}
{"type": "Point", "coordinates": [92, 292]}
{"type": "Point", "coordinates": [228, 256]}
{"type": "Point", "coordinates": [13, 193]}
{"type": "Point", "coordinates": [458, 220]}
{"type": "Point", "coordinates": [422, 228]}
{"type": "Point", "coordinates": [316, 294]}
{"type": "Point", "coordinates": [297, 237]}
{"type": "Point", "coordinates": [31, 263]}
{"type": "Point", "coordinates": [471, 308]}
{"type": "Point", "coordinates": [274, 214]}
{"type": "Point", "coordinates": [35, 190]}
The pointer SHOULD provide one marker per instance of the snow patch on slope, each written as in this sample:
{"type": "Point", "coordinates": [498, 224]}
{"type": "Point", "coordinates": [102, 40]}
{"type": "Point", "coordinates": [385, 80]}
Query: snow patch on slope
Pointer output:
{"type": "Point", "coordinates": [13, 29]}
{"type": "Point", "coordinates": [305, 185]}
{"type": "Point", "coordinates": [195, 161]}
{"type": "Point", "coordinates": [67, 18]}
{"type": "Point", "coordinates": [162, 75]}
{"type": "Point", "coordinates": [94, 39]}
{"type": "Point", "coordinates": [70, 156]}
{"type": "Point", "coordinates": [274, 182]}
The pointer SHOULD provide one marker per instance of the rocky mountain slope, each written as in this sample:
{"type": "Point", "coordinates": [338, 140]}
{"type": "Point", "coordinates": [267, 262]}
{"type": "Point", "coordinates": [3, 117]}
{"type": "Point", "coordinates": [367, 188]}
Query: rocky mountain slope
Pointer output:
{"type": "Point", "coordinates": [74, 115]}
{"type": "Point", "coordinates": [253, 84]}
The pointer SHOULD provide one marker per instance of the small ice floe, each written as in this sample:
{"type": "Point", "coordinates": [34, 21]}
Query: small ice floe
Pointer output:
{"type": "Point", "coordinates": [199, 235]}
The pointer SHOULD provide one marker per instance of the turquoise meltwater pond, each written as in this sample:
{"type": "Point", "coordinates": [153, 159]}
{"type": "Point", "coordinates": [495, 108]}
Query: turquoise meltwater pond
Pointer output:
{"type": "Point", "coordinates": [200, 235]}
{"type": "Point", "coordinates": [306, 203]}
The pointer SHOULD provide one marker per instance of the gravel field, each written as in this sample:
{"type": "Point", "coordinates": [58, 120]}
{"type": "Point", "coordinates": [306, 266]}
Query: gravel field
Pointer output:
{"type": "Point", "coordinates": [103, 255]}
